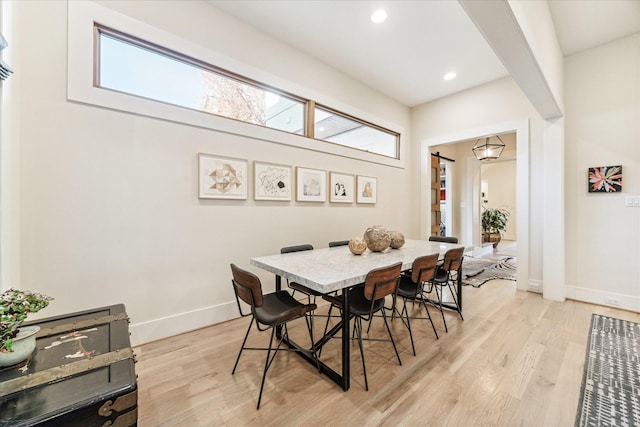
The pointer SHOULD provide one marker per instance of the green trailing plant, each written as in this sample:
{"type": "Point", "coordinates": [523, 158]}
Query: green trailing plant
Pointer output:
{"type": "Point", "coordinates": [15, 306]}
{"type": "Point", "coordinates": [494, 220]}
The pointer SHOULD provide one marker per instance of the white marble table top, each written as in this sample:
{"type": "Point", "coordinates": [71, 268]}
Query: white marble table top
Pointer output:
{"type": "Point", "coordinates": [330, 269]}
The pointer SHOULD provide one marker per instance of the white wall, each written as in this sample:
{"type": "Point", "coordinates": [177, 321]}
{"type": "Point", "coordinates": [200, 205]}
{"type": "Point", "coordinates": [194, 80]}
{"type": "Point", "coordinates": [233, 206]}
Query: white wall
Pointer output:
{"type": "Point", "coordinates": [500, 180]}
{"type": "Point", "coordinates": [109, 209]}
{"type": "Point", "coordinates": [603, 128]}
{"type": "Point", "coordinates": [9, 158]}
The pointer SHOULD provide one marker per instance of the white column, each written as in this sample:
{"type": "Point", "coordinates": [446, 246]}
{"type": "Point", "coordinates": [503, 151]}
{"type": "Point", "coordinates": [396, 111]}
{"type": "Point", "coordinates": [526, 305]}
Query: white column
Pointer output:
{"type": "Point", "coordinates": [9, 158]}
{"type": "Point", "coordinates": [553, 265]}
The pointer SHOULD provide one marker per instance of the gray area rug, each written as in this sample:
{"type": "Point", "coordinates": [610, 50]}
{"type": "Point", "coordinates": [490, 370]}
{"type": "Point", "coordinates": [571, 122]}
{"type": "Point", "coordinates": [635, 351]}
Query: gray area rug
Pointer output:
{"type": "Point", "coordinates": [477, 271]}
{"type": "Point", "coordinates": [610, 393]}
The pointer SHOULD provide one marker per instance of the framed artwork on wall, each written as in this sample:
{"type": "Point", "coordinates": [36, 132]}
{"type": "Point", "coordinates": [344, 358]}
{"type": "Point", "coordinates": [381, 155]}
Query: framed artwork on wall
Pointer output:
{"type": "Point", "coordinates": [605, 179]}
{"type": "Point", "coordinates": [341, 188]}
{"type": "Point", "coordinates": [272, 181]}
{"type": "Point", "coordinates": [311, 185]}
{"type": "Point", "coordinates": [367, 189]}
{"type": "Point", "coordinates": [221, 177]}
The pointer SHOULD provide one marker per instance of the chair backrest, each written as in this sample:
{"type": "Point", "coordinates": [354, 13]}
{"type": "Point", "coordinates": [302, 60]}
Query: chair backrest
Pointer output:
{"type": "Point", "coordinates": [297, 248]}
{"type": "Point", "coordinates": [247, 286]}
{"type": "Point", "coordinates": [445, 239]}
{"type": "Point", "coordinates": [382, 281]}
{"type": "Point", "coordinates": [424, 268]}
{"type": "Point", "coordinates": [453, 259]}
{"type": "Point", "coordinates": [338, 243]}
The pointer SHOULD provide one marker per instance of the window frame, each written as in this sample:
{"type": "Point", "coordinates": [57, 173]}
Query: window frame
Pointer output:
{"type": "Point", "coordinates": [333, 111]}
{"type": "Point", "coordinates": [82, 18]}
{"type": "Point", "coordinates": [100, 29]}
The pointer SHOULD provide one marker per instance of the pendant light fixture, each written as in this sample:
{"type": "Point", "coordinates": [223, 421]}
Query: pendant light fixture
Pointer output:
{"type": "Point", "coordinates": [489, 148]}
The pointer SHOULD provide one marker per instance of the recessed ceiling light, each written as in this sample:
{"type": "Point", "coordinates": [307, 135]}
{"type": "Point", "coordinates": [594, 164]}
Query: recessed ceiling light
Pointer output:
{"type": "Point", "coordinates": [379, 16]}
{"type": "Point", "coordinates": [450, 76]}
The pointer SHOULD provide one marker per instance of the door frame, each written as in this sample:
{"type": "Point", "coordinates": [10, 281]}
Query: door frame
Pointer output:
{"type": "Point", "coordinates": [521, 129]}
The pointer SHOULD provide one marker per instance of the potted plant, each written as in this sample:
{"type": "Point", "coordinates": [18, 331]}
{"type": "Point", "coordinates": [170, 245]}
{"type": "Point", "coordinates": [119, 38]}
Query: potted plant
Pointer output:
{"type": "Point", "coordinates": [494, 222]}
{"type": "Point", "coordinates": [15, 340]}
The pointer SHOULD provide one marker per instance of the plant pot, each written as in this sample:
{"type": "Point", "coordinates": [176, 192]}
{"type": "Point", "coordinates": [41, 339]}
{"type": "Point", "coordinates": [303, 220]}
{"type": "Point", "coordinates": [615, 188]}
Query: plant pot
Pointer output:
{"type": "Point", "coordinates": [491, 238]}
{"type": "Point", "coordinates": [23, 345]}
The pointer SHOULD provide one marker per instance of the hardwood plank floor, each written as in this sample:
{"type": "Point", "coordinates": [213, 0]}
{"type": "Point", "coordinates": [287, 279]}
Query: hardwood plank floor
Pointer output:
{"type": "Point", "coordinates": [516, 360]}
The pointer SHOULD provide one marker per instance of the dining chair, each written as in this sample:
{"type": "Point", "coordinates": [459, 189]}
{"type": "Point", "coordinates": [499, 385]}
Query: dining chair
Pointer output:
{"type": "Point", "coordinates": [410, 288]}
{"type": "Point", "coordinates": [310, 293]}
{"type": "Point", "coordinates": [295, 285]}
{"type": "Point", "coordinates": [268, 311]}
{"type": "Point", "coordinates": [445, 239]}
{"type": "Point", "coordinates": [367, 300]}
{"type": "Point", "coordinates": [447, 275]}
{"type": "Point", "coordinates": [334, 244]}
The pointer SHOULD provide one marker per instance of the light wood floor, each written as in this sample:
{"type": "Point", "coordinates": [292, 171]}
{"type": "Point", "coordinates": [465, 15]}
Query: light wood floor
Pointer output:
{"type": "Point", "coordinates": [516, 360]}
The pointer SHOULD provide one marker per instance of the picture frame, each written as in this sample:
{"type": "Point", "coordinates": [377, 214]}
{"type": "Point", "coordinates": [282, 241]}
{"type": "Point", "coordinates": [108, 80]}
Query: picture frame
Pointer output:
{"type": "Point", "coordinates": [341, 187]}
{"type": "Point", "coordinates": [272, 181]}
{"type": "Point", "coordinates": [605, 179]}
{"type": "Point", "coordinates": [311, 185]}
{"type": "Point", "coordinates": [367, 189]}
{"type": "Point", "coordinates": [222, 177]}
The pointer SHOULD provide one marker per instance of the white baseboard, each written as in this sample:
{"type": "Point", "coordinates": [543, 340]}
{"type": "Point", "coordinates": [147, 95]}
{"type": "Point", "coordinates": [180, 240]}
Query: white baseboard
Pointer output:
{"type": "Point", "coordinates": [535, 286]}
{"type": "Point", "coordinates": [144, 332]}
{"type": "Point", "coordinates": [594, 296]}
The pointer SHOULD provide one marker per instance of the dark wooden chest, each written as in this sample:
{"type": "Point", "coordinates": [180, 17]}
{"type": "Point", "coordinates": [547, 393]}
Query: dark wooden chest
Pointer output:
{"type": "Point", "coordinates": [81, 374]}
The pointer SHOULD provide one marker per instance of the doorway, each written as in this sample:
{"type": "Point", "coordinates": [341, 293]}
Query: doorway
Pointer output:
{"type": "Point", "coordinates": [469, 230]}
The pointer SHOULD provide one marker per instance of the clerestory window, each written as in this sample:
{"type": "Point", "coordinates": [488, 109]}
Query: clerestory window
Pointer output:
{"type": "Point", "coordinates": [129, 65]}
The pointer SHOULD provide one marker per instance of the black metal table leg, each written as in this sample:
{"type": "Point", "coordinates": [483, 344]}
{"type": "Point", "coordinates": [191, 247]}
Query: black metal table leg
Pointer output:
{"type": "Point", "coordinates": [344, 379]}
{"type": "Point", "coordinates": [346, 342]}
{"type": "Point", "coordinates": [460, 288]}
{"type": "Point", "coordinates": [278, 288]}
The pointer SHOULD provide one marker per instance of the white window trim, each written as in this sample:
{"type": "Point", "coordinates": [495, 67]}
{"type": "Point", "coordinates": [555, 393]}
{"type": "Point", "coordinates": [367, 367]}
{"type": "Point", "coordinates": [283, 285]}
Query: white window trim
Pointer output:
{"type": "Point", "coordinates": [80, 88]}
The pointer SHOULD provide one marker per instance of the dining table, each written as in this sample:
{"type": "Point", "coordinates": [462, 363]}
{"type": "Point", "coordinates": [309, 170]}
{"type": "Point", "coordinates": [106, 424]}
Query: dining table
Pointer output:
{"type": "Point", "coordinates": [336, 269]}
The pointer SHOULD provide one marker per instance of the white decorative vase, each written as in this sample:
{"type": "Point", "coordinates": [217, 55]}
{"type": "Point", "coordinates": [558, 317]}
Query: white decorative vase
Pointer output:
{"type": "Point", "coordinates": [23, 345]}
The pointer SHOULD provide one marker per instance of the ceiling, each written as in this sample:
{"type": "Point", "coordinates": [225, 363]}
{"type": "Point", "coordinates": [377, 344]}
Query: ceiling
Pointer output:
{"type": "Point", "coordinates": [407, 56]}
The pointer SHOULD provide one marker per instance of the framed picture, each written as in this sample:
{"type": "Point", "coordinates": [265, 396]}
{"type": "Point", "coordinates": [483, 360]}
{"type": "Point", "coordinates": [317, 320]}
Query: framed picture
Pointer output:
{"type": "Point", "coordinates": [605, 179]}
{"type": "Point", "coordinates": [341, 187]}
{"type": "Point", "coordinates": [221, 177]}
{"type": "Point", "coordinates": [271, 181]}
{"type": "Point", "coordinates": [367, 189]}
{"type": "Point", "coordinates": [311, 185]}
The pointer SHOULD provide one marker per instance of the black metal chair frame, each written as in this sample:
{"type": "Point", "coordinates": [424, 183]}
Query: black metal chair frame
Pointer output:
{"type": "Point", "coordinates": [297, 286]}
{"type": "Point", "coordinates": [303, 289]}
{"type": "Point", "coordinates": [445, 277]}
{"type": "Point", "coordinates": [281, 323]}
{"type": "Point", "coordinates": [415, 292]}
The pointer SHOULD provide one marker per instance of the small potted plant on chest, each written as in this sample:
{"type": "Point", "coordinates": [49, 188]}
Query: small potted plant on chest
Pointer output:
{"type": "Point", "coordinates": [494, 222]}
{"type": "Point", "coordinates": [17, 342]}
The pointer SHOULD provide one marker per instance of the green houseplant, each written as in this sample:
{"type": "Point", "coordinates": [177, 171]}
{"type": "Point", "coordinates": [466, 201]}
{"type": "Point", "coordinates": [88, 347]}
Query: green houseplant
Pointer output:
{"type": "Point", "coordinates": [15, 306]}
{"type": "Point", "coordinates": [494, 222]}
